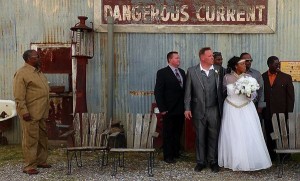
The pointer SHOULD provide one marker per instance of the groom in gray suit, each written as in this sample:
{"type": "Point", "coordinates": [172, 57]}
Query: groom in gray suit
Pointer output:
{"type": "Point", "coordinates": [203, 104]}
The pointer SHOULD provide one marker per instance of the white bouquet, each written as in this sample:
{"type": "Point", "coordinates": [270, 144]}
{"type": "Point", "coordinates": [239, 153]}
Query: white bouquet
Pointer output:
{"type": "Point", "coordinates": [246, 86]}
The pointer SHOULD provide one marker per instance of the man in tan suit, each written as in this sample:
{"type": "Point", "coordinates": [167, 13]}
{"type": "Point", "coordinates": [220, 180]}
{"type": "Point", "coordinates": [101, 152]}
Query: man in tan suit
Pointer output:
{"type": "Point", "coordinates": [31, 92]}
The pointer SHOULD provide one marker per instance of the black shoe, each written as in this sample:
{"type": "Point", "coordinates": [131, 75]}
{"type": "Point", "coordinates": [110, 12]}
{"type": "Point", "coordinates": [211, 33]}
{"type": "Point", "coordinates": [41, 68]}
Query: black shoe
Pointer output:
{"type": "Point", "coordinates": [215, 168]}
{"type": "Point", "coordinates": [180, 155]}
{"type": "Point", "coordinates": [169, 160]}
{"type": "Point", "coordinates": [199, 167]}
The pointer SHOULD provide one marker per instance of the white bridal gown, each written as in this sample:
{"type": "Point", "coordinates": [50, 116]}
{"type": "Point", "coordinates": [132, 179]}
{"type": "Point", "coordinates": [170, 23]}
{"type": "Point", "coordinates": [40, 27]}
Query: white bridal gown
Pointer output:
{"type": "Point", "coordinates": [241, 143]}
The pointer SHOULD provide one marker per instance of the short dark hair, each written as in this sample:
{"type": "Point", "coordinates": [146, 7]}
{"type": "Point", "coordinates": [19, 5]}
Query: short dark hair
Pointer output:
{"type": "Point", "coordinates": [27, 54]}
{"type": "Point", "coordinates": [245, 53]}
{"type": "Point", "coordinates": [202, 50]}
{"type": "Point", "coordinates": [217, 54]}
{"type": "Point", "coordinates": [271, 60]}
{"type": "Point", "coordinates": [170, 55]}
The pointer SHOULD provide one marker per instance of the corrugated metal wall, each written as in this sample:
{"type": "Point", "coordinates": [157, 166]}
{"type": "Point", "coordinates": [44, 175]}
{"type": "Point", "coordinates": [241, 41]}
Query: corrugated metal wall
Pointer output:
{"type": "Point", "coordinates": [137, 55]}
{"type": "Point", "coordinates": [32, 21]}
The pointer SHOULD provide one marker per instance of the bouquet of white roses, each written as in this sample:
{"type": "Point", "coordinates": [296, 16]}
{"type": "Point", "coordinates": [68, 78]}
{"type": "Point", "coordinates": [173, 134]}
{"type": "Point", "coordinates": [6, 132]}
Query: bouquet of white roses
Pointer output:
{"type": "Point", "coordinates": [246, 86]}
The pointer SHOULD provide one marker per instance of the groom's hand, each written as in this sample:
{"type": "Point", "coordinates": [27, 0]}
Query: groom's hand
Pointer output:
{"type": "Point", "coordinates": [188, 114]}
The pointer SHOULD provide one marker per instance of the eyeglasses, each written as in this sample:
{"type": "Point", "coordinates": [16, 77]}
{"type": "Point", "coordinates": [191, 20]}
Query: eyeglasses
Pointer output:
{"type": "Point", "coordinates": [249, 60]}
{"type": "Point", "coordinates": [35, 56]}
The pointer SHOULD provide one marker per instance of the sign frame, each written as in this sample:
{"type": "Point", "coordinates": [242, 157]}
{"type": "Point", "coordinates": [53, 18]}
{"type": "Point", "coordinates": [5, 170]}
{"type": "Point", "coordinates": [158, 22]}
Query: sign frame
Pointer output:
{"type": "Point", "coordinates": [164, 28]}
{"type": "Point", "coordinates": [287, 67]}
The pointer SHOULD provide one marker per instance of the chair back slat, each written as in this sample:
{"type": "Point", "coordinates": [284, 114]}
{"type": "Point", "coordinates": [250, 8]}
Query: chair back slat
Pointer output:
{"type": "Point", "coordinates": [298, 131]}
{"type": "Point", "coordinates": [101, 122]}
{"type": "Point", "coordinates": [130, 129]}
{"type": "Point", "coordinates": [276, 131]}
{"type": "Point", "coordinates": [292, 130]}
{"type": "Point", "coordinates": [145, 131]}
{"type": "Point", "coordinates": [89, 129]}
{"type": "Point", "coordinates": [138, 131]}
{"type": "Point", "coordinates": [85, 129]}
{"type": "Point", "coordinates": [93, 129]}
{"type": "Point", "coordinates": [101, 125]}
{"type": "Point", "coordinates": [284, 135]}
{"type": "Point", "coordinates": [152, 130]}
{"type": "Point", "coordinates": [286, 131]}
{"type": "Point", "coordinates": [77, 132]}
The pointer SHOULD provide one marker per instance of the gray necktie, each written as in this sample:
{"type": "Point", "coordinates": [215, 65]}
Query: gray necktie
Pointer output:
{"type": "Point", "coordinates": [178, 77]}
{"type": "Point", "coordinates": [211, 72]}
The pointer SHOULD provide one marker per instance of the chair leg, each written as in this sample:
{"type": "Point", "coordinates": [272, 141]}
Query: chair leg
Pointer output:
{"type": "Point", "coordinates": [121, 159]}
{"type": "Point", "coordinates": [104, 160]}
{"type": "Point", "coordinates": [280, 167]}
{"type": "Point", "coordinates": [280, 171]}
{"type": "Point", "coordinates": [150, 164]}
{"type": "Point", "coordinates": [157, 153]}
{"type": "Point", "coordinates": [115, 164]}
{"type": "Point", "coordinates": [69, 162]}
{"type": "Point", "coordinates": [79, 163]}
{"type": "Point", "coordinates": [99, 160]}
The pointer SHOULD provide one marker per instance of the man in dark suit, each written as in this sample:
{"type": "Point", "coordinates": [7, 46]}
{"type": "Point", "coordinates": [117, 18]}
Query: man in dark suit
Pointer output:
{"type": "Point", "coordinates": [259, 99]}
{"type": "Point", "coordinates": [169, 94]}
{"type": "Point", "coordinates": [203, 103]}
{"type": "Point", "coordinates": [279, 97]}
{"type": "Point", "coordinates": [218, 60]}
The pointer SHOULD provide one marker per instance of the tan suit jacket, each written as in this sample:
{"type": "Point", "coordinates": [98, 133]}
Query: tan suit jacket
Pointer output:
{"type": "Point", "coordinates": [31, 92]}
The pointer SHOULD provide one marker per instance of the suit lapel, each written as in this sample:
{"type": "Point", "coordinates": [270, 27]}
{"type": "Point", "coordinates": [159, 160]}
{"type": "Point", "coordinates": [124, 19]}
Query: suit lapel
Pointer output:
{"type": "Point", "coordinates": [198, 74]}
{"type": "Point", "coordinates": [182, 74]}
{"type": "Point", "coordinates": [266, 79]}
{"type": "Point", "coordinates": [173, 75]}
{"type": "Point", "coordinates": [277, 78]}
{"type": "Point", "coordinates": [216, 74]}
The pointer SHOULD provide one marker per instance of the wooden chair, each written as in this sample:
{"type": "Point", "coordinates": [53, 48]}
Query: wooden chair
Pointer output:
{"type": "Point", "coordinates": [140, 134]}
{"type": "Point", "coordinates": [287, 136]}
{"type": "Point", "coordinates": [90, 135]}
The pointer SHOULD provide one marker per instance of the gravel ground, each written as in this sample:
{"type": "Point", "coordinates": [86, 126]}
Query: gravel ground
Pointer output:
{"type": "Point", "coordinates": [136, 169]}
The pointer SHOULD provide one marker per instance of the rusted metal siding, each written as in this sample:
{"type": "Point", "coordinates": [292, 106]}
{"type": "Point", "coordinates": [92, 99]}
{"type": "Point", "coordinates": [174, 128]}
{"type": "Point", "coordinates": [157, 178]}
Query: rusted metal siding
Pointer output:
{"type": "Point", "coordinates": [137, 55]}
{"type": "Point", "coordinates": [33, 21]}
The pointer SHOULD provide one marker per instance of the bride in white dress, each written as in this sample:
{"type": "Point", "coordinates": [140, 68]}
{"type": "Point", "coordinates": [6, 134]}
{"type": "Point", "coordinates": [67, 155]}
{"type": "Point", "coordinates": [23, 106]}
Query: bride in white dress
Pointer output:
{"type": "Point", "coordinates": [241, 143]}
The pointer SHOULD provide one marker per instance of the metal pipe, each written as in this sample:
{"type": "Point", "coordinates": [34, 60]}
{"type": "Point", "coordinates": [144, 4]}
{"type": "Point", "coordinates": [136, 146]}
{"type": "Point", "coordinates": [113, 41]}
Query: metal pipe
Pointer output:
{"type": "Point", "coordinates": [110, 38]}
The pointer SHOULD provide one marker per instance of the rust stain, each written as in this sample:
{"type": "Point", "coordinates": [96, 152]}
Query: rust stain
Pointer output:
{"type": "Point", "coordinates": [141, 93]}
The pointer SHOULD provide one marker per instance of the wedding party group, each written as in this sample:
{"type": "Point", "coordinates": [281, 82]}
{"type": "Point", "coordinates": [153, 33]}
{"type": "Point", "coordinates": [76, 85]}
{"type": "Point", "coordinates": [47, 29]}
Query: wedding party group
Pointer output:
{"type": "Point", "coordinates": [227, 107]}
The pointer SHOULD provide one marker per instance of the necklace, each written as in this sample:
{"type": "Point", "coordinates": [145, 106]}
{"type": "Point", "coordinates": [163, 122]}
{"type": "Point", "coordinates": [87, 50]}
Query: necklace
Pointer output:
{"type": "Point", "coordinates": [238, 76]}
